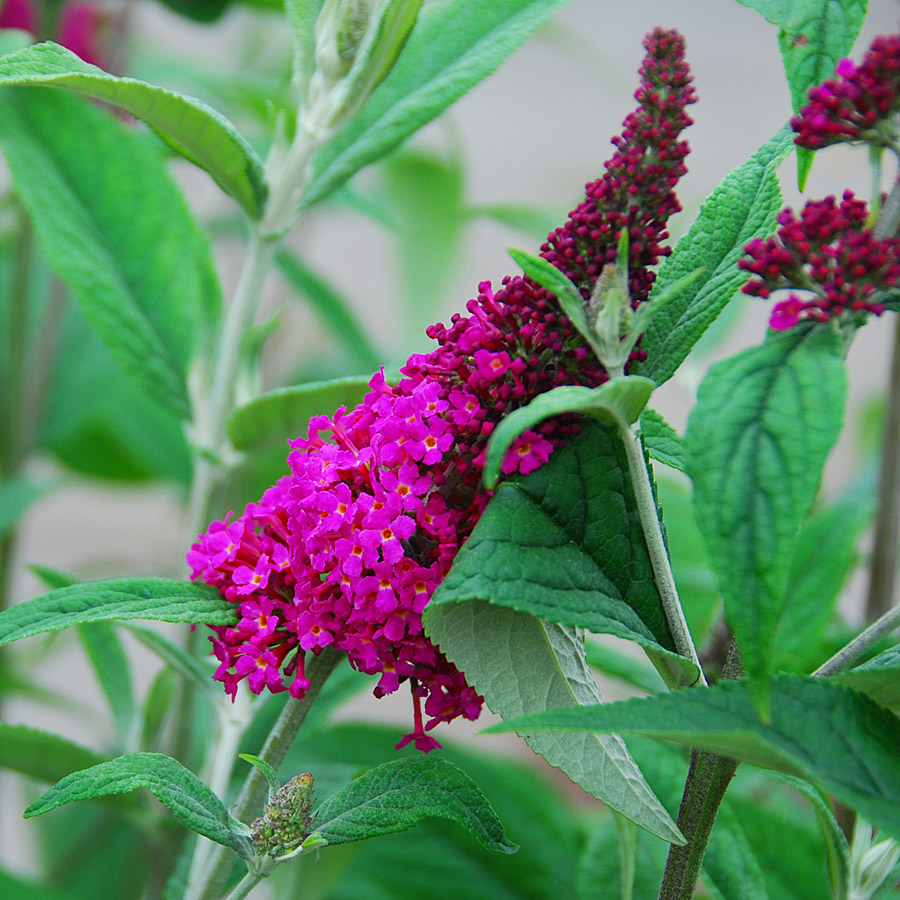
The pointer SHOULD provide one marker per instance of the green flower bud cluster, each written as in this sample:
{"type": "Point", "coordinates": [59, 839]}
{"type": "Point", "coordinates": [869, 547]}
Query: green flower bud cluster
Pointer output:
{"type": "Point", "coordinates": [287, 819]}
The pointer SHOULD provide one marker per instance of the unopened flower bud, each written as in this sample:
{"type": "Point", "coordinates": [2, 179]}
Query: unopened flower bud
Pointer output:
{"type": "Point", "coordinates": [287, 819]}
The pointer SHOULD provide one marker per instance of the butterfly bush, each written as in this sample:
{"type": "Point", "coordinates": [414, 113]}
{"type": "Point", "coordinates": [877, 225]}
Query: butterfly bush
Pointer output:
{"type": "Point", "coordinates": [347, 549]}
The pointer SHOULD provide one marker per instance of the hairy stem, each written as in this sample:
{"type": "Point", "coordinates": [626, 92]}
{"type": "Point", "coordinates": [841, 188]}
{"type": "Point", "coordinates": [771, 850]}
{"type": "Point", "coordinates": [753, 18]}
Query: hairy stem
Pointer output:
{"type": "Point", "coordinates": [849, 654]}
{"type": "Point", "coordinates": [244, 886]}
{"type": "Point", "coordinates": [708, 778]}
{"type": "Point", "coordinates": [209, 884]}
{"type": "Point", "coordinates": [656, 547]}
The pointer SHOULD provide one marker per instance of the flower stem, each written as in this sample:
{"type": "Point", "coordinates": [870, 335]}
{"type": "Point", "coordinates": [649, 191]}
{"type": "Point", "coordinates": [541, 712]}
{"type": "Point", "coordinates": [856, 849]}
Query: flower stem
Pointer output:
{"type": "Point", "coordinates": [708, 778]}
{"type": "Point", "coordinates": [656, 547]}
{"type": "Point", "coordinates": [254, 791]}
{"type": "Point", "coordinates": [849, 654]}
{"type": "Point", "coordinates": [244, 886]}
{"type": "Point", "coordinates": [882, 573]}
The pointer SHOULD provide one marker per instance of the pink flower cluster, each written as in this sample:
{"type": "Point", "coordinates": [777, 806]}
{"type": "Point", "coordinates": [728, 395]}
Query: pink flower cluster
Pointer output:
{"type": "Point", "coordinates": [347, 549]}
{"type": "Point", "coordinates": [830, 255]}
{"type": "Point", "coordinates": [858, 104]}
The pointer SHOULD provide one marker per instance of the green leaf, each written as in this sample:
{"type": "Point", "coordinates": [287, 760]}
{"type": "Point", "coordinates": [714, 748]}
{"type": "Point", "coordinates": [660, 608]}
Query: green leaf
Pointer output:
{"type": "Point", "coordinates": [334, 312]}
{"type": "Point", "coordinates": [302, 16]}
{"type": "Point", "coordinates": [110, 665]}
{"type": "Point", "coordinates": [618, 401]}
{"type": "Point", "coordinates": [116, 229]}
{"type": "Point", "coordinates": [566, 544]}
{"type": "Point", "coordinates": [452, 48]}
{"type": "Point", "coordinates": [661, 441]}
{"type": "Point", "coordinates": [742, 207]}
{"type": "Point", "coordinates": [190, 127]}
{"type": "Point", "coordinates": [756, 443]}
{"type": "Point", "coordinates": [536, 222]}
{"type": "Point", "coordinates": [190, 801]}
{"type": "Point", "coordinates": [41, 755]}
{"type": "Point", "coordinates": [199, 10]}
{"type": "Point", "coordinates": [283, 414]}
{"type": "Point", "coordinates": [520, 664]}
{"type": "Point", "coordinates": [116, 598]}
{"type": "Point", "coordinates": [822, 561]}
{"type": "Point", "coordinates": [396, 795]}
{"type": "Point", "coordinates": [16, 495]}
{"type": "Point", "coordinates": [818, 729]}
{"type": "Point", "coordinates": [879, 678]}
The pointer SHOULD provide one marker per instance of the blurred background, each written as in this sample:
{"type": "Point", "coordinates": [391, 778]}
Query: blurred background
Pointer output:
{"type": "Point", "coordinates": [403, 246]}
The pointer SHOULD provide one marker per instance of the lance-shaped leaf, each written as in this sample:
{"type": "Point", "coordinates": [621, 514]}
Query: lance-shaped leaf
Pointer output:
{"type": "Point", "coordinates": [520, 664]}
{"type": "Point", "coordinates": [190, 801]}
{"type": "Point", "coordinates": [756, 443]}
{"type": "Point", "coordinates": [452, 48]}
{"type": "Point", "coordinates": [116, 598]}
{"type": "Point", "coordinates": [116, 229]}
{"type": "Point", "coordinates": [396, 795]}
{"type": "Point", "coordinates": [110, 664]}
{"type": "Point", "coordinates": [40, 754]}
{"type": "Point", "coordinates": [190, 127]}
{"type": "Point", "coordinates": [618, 401]}
{"type": "Point", "coordinates": [817, 729]}
{"type": "Point", "coordinates": [566, 544]}
{"type": "Point", "coordinates": [742, 207]}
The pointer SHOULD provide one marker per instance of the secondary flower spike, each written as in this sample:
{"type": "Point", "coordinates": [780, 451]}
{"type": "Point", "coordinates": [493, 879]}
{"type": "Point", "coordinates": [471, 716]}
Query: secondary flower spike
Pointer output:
{"type": "Point", "coordinates": [348, 548]}
{"type": "Point", "coordinates": [859, 104]}
{"type": "Point", "coordinates": [829, 256]}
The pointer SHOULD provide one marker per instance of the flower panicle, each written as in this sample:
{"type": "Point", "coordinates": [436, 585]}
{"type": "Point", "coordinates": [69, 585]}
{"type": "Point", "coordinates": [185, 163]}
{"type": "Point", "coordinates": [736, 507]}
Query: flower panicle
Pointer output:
{"type": "Point", "coordinates": [347, 550]}
{"type": "Point", "coordinates": [828, 259]}
{"type": "Point", "coordinates": [859, 104]}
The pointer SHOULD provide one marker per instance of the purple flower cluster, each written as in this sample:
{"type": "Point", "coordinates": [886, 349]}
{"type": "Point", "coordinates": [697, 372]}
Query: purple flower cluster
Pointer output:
{"type": "Point", "coordinates": [858, 104]}
{"type": "Point", "coordinates": [830, 255]}
{"type": "Point", "coordinates": [348, 548]}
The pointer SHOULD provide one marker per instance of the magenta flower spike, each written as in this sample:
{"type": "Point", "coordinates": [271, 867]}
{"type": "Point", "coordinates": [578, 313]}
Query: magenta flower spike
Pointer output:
{"type": "Point", "coordinates": [348, 548]}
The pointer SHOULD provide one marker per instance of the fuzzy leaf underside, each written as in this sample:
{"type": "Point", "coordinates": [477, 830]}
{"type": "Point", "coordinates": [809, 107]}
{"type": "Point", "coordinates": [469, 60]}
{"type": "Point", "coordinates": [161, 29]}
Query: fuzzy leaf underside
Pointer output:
{"type": "Point", "coordinates": [520, 664]}
{"type": "Point", "coordinates": [116, 598]}
{"type": "Point", "coordinates": [396, 795]}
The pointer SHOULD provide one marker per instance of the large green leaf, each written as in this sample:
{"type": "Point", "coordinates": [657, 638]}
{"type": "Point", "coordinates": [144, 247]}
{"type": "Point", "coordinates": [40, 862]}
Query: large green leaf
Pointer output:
{"type": "Point", "coordinates": [812, 35]}
{"type": "Point", "coordinates": [12, 887]}
{"type": "Point", "coordinates": [396, 795]}
{"type": "Point", "coordinates": [116, 598]}
{"type": "Point", "coordinates": [116, 229]}
{"type": "Point", "coordinates": [190, 801]}
{"type": "Point", "coordinates": [187, 125]}
{"type": "Point", "coordinates": [453, 46]}
{"type": "Point", "coordinates": [818, 729]}
{"type": "Point", "coordinates": [520, 664]}
{"type": "Point", "coordinates": [566, 544]}
{"type": "Point", "coordinates": [742, 207]}
{"type": "Point", "coordinates": [756, 443]}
